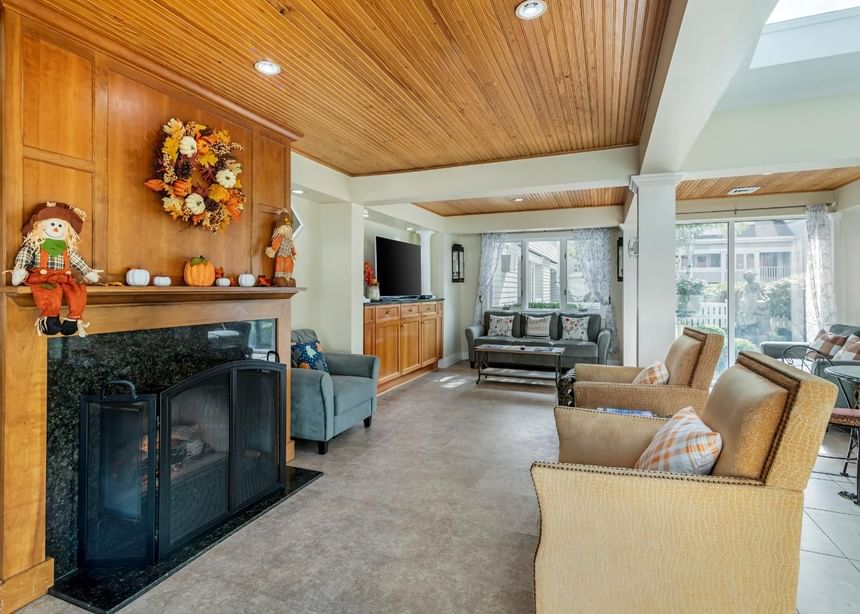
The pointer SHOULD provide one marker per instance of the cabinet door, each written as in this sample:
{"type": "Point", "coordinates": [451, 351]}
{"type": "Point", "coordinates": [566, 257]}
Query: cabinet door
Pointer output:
{"type": "Point", "coordinates": [410, 331]}
{"type": "Point", "coordinates": [370, 339]}
{"type": "Point", "coordinates": [427, 343]}
{"type": "Point", "coordinates": [440, 331]}
{"type": "Point", "coordinates": [387, 348]}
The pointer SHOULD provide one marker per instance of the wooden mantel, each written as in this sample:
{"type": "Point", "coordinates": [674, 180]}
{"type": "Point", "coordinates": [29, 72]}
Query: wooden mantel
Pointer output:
{"type": "Point", "coordinates": [152, 295]}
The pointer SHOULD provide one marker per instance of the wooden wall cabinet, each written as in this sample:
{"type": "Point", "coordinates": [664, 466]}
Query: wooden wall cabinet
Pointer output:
{"type": "Point", "coordinates": [407, 338]}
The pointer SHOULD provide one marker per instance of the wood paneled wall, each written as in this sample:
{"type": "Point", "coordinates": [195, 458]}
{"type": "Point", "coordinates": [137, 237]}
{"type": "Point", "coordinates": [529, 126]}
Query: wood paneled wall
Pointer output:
{"type": "Point", "coordinates": [83, 127]}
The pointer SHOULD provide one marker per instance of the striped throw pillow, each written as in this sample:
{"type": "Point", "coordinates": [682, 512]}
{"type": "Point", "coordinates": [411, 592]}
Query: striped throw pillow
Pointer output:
{"type": "Point", "coordinates": [684, 444]}
{"type": "Point", "coordinates": [827, 343]}
{"type": "Point", "coordinates": [849, 351]}
{"type": "Point", "coordinates": [655, 374]}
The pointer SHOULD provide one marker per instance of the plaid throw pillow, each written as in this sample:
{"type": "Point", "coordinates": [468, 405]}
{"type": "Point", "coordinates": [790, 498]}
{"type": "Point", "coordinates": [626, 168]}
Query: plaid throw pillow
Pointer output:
{"type": "Point", "coordinates": [655, 374]}
{"type": "Point", "coordinates": [849, 351]}
{"type": "Point", "coordinates": [827, 344]}
{"type": "Point", "coordinates": [574, 329]}
{"type": "Point", "coordinates": [684, 444]}
{"type": "Point", "coordinates": [537, 326]}
{"type": "Point", "coordinates": [501, 326]}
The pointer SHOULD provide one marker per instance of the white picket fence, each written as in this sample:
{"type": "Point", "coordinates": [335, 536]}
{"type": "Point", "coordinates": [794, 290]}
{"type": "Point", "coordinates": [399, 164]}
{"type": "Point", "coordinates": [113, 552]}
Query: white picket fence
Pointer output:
{"type": "Point", "coordinates": [711, 314]}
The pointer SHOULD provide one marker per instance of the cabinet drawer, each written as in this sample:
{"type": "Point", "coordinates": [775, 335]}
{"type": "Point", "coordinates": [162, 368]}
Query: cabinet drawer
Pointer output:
{"type": "Point", "coordinates": [428, 307]}
{"type": "Point", "coordinates": [409, 310]}
{"type": "Point", "coordinates": [368, 314]}
{"type": "Point", "coordinates": [387, 312]}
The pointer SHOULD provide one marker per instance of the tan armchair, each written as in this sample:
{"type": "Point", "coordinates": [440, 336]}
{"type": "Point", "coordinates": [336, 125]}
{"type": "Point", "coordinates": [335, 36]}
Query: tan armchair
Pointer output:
{"type": "Point", "coordinates": [691, 361]}
{"type": "Point", "coordinates": [614, 539]}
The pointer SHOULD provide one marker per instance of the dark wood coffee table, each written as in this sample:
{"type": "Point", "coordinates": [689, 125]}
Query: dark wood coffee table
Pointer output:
{"type": "Point", "coordinates": [483, 352]}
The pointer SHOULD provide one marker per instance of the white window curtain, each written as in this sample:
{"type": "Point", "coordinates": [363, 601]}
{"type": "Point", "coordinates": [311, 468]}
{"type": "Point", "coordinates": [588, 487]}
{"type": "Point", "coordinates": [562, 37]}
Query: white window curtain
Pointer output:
{"type": "Point", "coordinates": [491, 245]}
{"type": "Point", "coordinates": [820, 298]}
{"type": "Point", "coordinates": [594, 249]}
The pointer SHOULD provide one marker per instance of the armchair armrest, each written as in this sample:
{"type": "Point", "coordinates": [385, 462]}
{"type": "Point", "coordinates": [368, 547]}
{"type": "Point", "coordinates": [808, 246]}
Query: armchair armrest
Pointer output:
{"type": "Point", "coordinates": [590, 437]}
{"type": "Point", "coordinates": [604, 338]}
{"type": "Point", "coordinates": [603, 373]}
{"type": "Point", "coordinates": [473, 332]}
{"type": "Point", "coordinates": [662, 400]}
{"type": "Point", "coordinates": [312, 398]}
{"type": "Point", "coordinates": [358, 365]}
{"type": "Point", "coordinates": [620, 540]}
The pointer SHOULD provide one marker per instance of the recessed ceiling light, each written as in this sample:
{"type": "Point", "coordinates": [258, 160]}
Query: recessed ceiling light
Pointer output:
{"type": "Point", "coordinates": [531, 9]}
{"type": "Point", "coordinates": [297, 191]}
{"type": "Point", "coordinates": [409, 229]}
{"type": "Point", "coordinates": [519, 199]}
{"type": "Point", "coordinates": [267, 67]}
{"type": "Point", "coordinates": [744, 190]}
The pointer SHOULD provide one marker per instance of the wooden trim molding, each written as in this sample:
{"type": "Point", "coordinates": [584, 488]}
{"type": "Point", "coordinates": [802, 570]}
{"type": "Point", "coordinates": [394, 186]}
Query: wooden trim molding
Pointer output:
{"type": "Point", "coordinates": [27, 586]}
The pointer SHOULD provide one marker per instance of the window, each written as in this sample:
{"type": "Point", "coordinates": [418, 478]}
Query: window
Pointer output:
{"type": "Point", "coordinates": [540, 274]}
{"type": "Point", "coordinates": [707, 261]}
{"type": "Point", "coordinates": [506, 281]}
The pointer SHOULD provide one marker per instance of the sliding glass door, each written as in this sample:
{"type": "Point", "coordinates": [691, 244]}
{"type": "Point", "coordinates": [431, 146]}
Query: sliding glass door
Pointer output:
{"type": "Point", "coordinates": [762, 262]}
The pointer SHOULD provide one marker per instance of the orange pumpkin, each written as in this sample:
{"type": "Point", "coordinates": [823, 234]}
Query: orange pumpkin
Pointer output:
{"type": "Point", "coordinates": [181, 187]}
{"type": "Point", "coordinates": [199, 272]}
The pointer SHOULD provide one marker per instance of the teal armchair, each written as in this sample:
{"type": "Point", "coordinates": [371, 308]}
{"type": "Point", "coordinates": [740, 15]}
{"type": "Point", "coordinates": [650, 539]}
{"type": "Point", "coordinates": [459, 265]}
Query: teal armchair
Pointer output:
{"type": "Point", "coordinates": [326, 404]}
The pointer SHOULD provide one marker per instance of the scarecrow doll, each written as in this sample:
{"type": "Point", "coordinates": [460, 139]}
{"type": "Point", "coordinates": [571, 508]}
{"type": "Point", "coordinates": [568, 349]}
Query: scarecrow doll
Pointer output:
{"type": "Point", "coordinates": [45, 262]}
{"type": "Point", "coordinates": [281, 248]}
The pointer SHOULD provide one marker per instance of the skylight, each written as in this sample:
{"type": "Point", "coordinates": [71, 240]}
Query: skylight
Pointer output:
{"type": "Point", "coordinates": [786, 10]}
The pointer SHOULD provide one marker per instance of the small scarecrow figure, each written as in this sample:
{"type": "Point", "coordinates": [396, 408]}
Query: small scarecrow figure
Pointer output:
{"type": "Point", "coordinates": [281, 248]}
{"type": "Point", "coordinates": [44, 263]}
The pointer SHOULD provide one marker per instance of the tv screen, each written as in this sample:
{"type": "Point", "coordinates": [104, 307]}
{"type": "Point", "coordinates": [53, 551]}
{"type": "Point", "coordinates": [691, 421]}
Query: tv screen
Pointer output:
{"type": "Point", "coordinates": [398, 267]}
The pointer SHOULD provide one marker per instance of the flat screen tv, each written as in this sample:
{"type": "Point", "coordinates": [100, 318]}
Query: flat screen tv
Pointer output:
{"type": "Point", "coordinates": [398, 267]}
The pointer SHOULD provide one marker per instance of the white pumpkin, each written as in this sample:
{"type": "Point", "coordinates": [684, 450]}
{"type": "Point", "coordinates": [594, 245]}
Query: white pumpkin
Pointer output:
{"type": "Point", "coordinates": [246, 280]}
{"type": "Point", "coordinates": [223, 282]}
{"type": "Point", "coordinates": [161, 280]}
{"type": "Point", "coordinates": [137, 277]}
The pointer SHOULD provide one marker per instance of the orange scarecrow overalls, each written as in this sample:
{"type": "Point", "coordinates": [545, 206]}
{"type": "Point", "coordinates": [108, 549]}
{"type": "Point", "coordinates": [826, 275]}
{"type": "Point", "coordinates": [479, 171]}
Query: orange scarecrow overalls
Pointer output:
{"type": "Point", "coordinates": [49, 286]}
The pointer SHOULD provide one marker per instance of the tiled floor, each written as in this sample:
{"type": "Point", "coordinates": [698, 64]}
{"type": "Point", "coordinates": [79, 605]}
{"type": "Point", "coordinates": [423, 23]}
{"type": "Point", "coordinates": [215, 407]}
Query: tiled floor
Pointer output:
{"type": "Point", "coordinates": [433, 510]}
{"type": "Point", "coordinates": [830, 542]}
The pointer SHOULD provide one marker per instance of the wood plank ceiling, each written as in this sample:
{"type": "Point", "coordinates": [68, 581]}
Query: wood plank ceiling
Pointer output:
{"type": "Point", "coordinates": [395, 85]}
{"type": "Point", "coordinates": [600, 197]}
{"type": "Point", "coordinates": [776, 183]}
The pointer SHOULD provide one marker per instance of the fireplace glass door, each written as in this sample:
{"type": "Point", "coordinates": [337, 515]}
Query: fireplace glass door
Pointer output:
{"type": "Point", "coordinates": [117, 487]}
{"type": "Point", "coordinates": [195, 458]}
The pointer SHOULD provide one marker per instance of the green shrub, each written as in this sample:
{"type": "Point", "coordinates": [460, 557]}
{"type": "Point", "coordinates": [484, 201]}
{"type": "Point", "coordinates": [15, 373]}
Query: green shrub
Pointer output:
{"type": "Point", "coordinates": [689, 287]}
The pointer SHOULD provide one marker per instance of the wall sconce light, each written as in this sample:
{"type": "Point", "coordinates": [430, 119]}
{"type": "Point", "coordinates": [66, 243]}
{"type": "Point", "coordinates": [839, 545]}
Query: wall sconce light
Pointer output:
{"type": "Point", "coordinates": [633, 247]}
{"type": "Point", "coordinates": [458, 263]}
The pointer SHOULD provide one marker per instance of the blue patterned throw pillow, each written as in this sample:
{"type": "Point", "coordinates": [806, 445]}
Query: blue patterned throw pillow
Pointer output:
{"type": "Point", "coordinates": [309, 356]}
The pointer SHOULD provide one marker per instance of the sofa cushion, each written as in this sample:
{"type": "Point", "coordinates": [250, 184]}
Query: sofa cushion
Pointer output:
{"type": "Point", "coordinates": [684, 444]}
{"type": "Point", "coordinates": [553, 322]}
{"type": "Point", "coordinates": [577, 349]}
{"type": "Point", "coordinates": [350, 391]}
{"type": "Point", "coordinates": [746, 410]}
{"type": "Point", "coordinates": [682, 359]}
{"type": "Point", "coordinates": [845, 330]}
{"type": "Point", "coordinates": [537, 326]}
{"type": "Point", "coordinates": [574, 328]}
{"type": "Point", "coordinates": [517, 331]}
{"type": "Point", "coordinates": [593, 324]}
{"type": "Point", "coordinates": [495, 340]}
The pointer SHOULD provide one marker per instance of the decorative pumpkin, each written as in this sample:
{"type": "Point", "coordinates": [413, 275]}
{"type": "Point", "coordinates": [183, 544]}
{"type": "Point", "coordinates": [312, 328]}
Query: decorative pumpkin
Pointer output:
{"type": "Point", "coordinates": [199, 272]}
{"type": "Point", "coordinates": [246, 280]}
{"type": "Point", "coordinates": [137, 277]}
{"type": "Point", "coordinates": [181, 188]}
{"type": "Point", "coordinates": [223, 282]}
{"type": "Point", "coordinates": [161, 280]}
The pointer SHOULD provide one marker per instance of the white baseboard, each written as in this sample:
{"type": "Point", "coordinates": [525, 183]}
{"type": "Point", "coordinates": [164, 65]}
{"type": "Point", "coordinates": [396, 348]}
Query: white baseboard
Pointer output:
{"type": "Point", "coordinates": [453, 359]}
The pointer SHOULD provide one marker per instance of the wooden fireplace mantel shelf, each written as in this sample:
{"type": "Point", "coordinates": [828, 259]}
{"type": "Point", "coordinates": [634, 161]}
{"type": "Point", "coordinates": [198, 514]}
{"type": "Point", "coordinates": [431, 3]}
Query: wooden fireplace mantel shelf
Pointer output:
{"type": "Point", "coordinates": [143, 295]}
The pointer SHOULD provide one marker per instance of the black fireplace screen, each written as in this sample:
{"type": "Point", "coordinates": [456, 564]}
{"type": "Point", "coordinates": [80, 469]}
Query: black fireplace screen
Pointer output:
{"type": "Point", "coordinates": [158, 470]}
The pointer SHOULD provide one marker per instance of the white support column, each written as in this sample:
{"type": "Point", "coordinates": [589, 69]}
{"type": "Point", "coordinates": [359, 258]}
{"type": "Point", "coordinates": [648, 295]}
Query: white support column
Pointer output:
{"type": "Point", "coordinates": [629, 237]}
{"type": "Point", "coordinates": [656, 264]}
{"type": "Point", "coordinates": [340, 285]}
{"type": "Point", "coordinates": [425, 235]}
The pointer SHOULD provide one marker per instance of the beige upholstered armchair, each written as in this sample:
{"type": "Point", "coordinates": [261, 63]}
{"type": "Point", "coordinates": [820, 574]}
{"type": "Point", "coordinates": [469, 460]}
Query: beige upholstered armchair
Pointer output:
{"type": "Point", "coordinates": [691, 361]}
{"type": "Point", "coordinates": [615, 539]}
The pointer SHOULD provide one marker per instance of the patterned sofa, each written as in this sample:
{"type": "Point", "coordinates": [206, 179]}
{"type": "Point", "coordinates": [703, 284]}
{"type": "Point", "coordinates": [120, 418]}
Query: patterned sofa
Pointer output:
{"type": "Point", "coordinates": [594, 351]}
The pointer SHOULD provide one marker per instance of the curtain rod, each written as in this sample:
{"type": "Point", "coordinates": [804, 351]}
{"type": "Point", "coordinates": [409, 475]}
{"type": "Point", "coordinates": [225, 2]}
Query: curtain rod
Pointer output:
{"type": "Point", "coordinates": [735, 210]}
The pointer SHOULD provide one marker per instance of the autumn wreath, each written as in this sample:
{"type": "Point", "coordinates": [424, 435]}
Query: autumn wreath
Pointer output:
{"type": "Point", "coordinates": [198, 175]}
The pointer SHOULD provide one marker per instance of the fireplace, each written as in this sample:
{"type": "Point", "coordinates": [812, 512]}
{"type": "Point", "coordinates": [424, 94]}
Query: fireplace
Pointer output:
{"type": "Point", "coordinates": [160, 469]}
